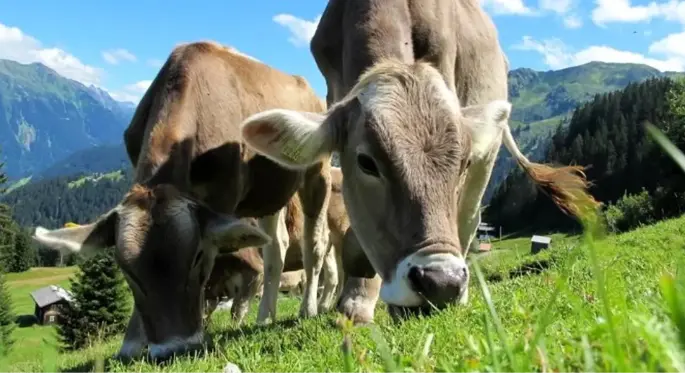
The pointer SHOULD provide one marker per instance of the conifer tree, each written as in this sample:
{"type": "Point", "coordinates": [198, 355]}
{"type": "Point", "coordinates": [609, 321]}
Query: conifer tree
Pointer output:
{"type": "Point", "coordinates": [6, 318]}
{"type": "Point", "coordinates": [100, 304]}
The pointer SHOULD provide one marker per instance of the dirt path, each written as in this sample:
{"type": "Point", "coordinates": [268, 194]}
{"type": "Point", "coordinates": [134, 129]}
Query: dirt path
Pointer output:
{"type": "Point", "coordinates": [40, 280]}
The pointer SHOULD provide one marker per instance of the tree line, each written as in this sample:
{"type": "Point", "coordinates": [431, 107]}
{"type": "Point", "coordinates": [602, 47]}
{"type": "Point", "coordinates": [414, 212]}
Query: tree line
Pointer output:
{"type": "Point", "coordinates": [630, 174]}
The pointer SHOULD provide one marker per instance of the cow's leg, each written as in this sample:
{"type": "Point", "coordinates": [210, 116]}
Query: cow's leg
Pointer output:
{"type": "Point", "coordinates": [359, 297]}
{"type": "Point", "coordinates": [212, 303]}
{"type": "Point", "coordinates": [330, 279]}
{"type": "Point", "coordinates": [470, 199]}
{"type": "Point", "coordinates": [274, 256]}
{"type": "Point", "coordinates": [315, 197]}
{"type": "Point", "coordinates": [135, 338]}
{"type": "Point", "coordinates": [362, 286]}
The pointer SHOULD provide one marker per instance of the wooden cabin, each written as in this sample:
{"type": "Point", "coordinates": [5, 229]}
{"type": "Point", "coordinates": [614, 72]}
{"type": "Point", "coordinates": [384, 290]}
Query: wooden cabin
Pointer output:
{"type": "Point", "coordinates": [49, 304]}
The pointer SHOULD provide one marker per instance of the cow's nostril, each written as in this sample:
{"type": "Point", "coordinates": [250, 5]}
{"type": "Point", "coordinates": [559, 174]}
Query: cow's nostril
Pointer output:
{"type": "Point", "coordinates": [415, 277]}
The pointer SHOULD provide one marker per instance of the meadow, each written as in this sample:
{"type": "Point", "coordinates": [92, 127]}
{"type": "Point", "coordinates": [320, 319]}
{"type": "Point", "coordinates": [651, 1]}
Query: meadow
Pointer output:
{"type": "Point", "coordinates": [583, 305]}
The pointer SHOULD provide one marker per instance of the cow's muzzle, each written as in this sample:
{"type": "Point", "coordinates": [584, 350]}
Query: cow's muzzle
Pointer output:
{"type": "Point", "coordinates": [162, 352]}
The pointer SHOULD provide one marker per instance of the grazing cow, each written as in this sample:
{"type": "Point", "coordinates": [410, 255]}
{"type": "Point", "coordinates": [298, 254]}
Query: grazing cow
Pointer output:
{"type": "Point", "coordinates": [417, 109]}
{"type": "Point", "coordinates": [238, 275]}
{"type": "Point", "coordinates": [194, 180]}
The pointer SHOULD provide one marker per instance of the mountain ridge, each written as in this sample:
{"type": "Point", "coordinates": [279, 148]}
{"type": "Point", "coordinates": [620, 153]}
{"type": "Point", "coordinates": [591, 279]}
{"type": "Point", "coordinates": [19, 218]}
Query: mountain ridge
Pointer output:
{"type": "Point", "coordinates": [45, 117]}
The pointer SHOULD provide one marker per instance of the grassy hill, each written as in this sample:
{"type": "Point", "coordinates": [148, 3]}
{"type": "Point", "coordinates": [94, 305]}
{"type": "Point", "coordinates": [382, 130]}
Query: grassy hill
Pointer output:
{"type": "Point", "coordinates": [561, 309]}
{"type": "Point", "coordinates": [45, 117]}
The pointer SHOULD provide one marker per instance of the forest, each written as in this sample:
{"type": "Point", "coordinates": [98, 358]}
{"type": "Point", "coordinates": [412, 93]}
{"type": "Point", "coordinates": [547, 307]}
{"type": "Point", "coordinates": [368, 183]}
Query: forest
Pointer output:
{"type": "Point", "coordinates": [636, 182]}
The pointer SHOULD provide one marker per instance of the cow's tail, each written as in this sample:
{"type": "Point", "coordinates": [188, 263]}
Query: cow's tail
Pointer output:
{"type": "Point", "coordinates": [566, 185]}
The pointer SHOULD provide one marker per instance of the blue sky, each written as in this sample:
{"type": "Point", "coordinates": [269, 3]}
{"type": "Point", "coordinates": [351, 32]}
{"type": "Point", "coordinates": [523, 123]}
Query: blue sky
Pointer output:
{"type": "Point", "coordinates": [120, 45]}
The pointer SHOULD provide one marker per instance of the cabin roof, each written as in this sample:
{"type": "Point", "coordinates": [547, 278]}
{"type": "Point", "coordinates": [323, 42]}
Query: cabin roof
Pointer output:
{"type": "Point", "coordinates": [541, 239]}
{"type": "Point", "coordinates": [50, 294]}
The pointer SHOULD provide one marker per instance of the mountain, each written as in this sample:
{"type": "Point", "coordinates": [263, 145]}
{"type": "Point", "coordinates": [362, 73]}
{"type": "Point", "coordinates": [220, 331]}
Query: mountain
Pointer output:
{"type": "Point", "coordinates": [543, 99]}
{"type": "Point", "coordinates": [45, 117]}
{"type": "Point", "coordinates": [99, 159]}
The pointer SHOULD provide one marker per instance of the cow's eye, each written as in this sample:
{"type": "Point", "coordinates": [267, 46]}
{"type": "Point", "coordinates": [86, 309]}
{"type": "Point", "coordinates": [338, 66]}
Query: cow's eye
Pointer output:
{"type": "Point", "coordinates": [367, 165]}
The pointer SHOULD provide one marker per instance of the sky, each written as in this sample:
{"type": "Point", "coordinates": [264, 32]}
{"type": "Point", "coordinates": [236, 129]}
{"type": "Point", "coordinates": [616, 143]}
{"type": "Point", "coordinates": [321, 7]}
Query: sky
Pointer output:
{"type": "Point", "coordinates": [120, 45]}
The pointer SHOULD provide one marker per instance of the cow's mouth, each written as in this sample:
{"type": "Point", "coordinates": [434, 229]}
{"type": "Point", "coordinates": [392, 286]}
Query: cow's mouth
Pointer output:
{"type": "Point", "coordinates": [401, 313]}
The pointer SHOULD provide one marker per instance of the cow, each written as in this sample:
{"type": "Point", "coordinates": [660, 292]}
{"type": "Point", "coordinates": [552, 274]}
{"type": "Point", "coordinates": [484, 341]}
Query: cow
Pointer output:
{"type": "Point", "coordinates": [238, 274]}
{"type": "Point", "coordinates": [417, 111]}
{"type": "Point", "coordinates": [194, 180]}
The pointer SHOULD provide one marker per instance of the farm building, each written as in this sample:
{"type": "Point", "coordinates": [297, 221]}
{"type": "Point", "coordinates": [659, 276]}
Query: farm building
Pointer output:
{"type": "Point", "coordinates": [50, 301]}
{"type": "Point", "coordinates": [539, 243]}
{"type": "Point", "coordinates": [482, 240]}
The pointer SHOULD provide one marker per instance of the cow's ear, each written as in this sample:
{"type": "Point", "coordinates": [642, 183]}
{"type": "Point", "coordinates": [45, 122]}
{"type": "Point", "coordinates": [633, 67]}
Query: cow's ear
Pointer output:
{"type": "Point", "coordinates": [228, 232]}
{"type": "Point", "coordinates": [84, 240]}
{"type": "Point", "coordinates": [485, 124]}
{"type": "Point", "coordinates": [293, 139]}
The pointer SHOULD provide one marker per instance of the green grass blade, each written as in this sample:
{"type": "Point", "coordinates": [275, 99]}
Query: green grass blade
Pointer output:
{"type": "Point", "coordinates": [485, 291]}
{"type": "Point", "coordinates": [670, 149]}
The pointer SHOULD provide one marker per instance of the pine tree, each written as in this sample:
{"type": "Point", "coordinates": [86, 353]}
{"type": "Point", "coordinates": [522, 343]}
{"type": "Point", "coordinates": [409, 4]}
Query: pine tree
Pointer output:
{"type": "Point", "coordinates": [6, 318]}
{"type": "Point", "coordinates": [100, 306]}
{"type": "Point", "coordinates": [7, 231]}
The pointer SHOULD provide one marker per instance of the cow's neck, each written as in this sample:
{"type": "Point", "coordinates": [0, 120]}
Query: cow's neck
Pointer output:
{"type": "Point", "coordinates": [384, 32]}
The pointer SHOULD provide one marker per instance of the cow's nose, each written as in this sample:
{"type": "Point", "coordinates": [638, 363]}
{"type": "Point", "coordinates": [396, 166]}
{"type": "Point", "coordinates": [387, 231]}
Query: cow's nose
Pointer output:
{"type": "Point", "coordinates": [439, 283]}
{"type": "Point", "coordinates": [164, 353]}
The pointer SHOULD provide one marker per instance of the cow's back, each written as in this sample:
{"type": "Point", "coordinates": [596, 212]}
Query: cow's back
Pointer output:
{"type": "Point", "coordinates": [456, 36]}
{"type": "Point", "coordinates": [201, 95]}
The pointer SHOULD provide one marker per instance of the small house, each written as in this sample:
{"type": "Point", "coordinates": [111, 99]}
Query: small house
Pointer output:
{"type": "Point", "coordinates": [50, 302]}
{"type": "Point", "coordinates": [539, 243]}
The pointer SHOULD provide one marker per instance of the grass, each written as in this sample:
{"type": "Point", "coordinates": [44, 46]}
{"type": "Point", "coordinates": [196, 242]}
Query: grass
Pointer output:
{"type": "Point", "coordinates": [582, 305]}
{"type": "Point", "coordinates": [114, 176]}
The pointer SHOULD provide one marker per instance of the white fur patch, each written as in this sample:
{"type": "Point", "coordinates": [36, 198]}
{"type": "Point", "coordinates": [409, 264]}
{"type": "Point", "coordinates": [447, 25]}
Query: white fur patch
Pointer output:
{"type": "Point", "coordinates": [399, 292]}
{"type": "Point", "coordinates": [175, 344]}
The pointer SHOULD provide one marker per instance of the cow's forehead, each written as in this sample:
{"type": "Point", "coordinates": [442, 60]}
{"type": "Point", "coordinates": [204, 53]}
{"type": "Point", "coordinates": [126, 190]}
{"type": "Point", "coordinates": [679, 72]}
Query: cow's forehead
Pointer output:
{"type": "Point", "coordinates": [416, 129]}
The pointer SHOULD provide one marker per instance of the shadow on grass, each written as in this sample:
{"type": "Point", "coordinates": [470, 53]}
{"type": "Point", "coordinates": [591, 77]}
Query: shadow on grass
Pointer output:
{"type": "Point", "coordinates": [24, 321]}
{"type": "Point", "coordinates": [229, 335]}
{"type": "Point", "coordinates": [531, 268]}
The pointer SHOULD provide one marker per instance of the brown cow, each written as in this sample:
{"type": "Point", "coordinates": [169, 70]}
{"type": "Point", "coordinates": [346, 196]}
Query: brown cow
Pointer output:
{"type": "Point", "coordinates": [238, 275]}
{"type": "Point", "coordinates": [194, 178]}
{"type": "Point", "coordinates": [417, 97]}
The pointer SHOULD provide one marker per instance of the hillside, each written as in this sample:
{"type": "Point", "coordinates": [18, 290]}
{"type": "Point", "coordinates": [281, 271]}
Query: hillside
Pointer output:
{"type": "Point", "coordinates": [45, 117]}
{"type": "Point", "coordinates": [543, 99]}
{"type": "Point", "coordinates": [579, 306]}
{"type": "Point", "coordinates": [607, 134]}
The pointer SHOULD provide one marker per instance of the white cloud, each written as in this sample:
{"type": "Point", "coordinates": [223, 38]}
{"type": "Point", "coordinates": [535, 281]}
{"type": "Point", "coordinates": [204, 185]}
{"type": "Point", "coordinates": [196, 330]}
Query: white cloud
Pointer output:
{"type": "Point", "coordinates": [153, 62]}
{"type": "Point", "coordinates": [622, 11]}
{"type": "Point", "coordinates": [557, 6]}
{"type": "Point", "coordinates": [114, 56]}
{"type": "Point", "coordinates": [504, 7]}
{"type": "Point", "coordinates": [17, 46]}
{"type": "Point", "coordinates": [557, 55]}
{"type": "Point", "coordinates": [672, 46]}
{"type": "Point", "coordinates": [573, 21]}
{"type": "Point", "coordinates": [301, 30]}
{"type": "Point", "coordinates": [132, 92]}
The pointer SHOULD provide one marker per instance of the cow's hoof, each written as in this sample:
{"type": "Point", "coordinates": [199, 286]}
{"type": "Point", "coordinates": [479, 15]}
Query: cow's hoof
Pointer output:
{"type": "Point", "coordinates": [360, 313]}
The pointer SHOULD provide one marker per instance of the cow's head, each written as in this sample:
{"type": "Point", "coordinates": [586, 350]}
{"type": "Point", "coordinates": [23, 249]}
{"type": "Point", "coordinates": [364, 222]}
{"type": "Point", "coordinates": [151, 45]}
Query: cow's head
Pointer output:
{"type": "Point", "coordinates": [405, 146]}
{"type": "Point", "coordinates": [166, 245]}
